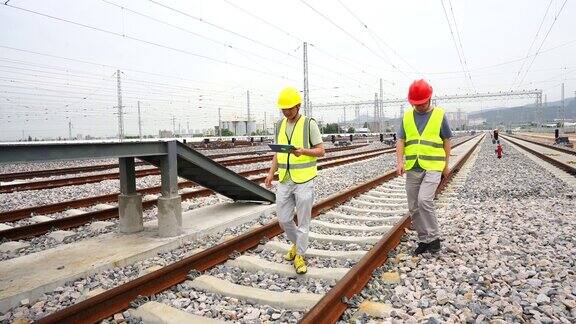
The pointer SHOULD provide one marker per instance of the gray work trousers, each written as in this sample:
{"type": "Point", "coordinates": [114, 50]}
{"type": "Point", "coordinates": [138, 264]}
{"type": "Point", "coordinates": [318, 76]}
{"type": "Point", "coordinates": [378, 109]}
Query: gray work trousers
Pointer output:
{"type": "Point", "coordinates": [420, 189]}
{"type": "Point", "coordinates": [301, 196]}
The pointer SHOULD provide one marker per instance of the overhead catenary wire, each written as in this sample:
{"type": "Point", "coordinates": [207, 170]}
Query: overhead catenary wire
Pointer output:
{"type": "Point", "coordinates": [458, 50]}
{"type": "Point", "coordinates": [378, 39]}
{"type": "Point", "coordinates": [517, 75]}
{"type": "Point", "coordinates": [345, 32]}
{"type": "Point", "coordinates": [461, 47]}
{"type": "Point", "coordinates": [141, 40]}
{"type": "Point", "coordinates": [542, 43]}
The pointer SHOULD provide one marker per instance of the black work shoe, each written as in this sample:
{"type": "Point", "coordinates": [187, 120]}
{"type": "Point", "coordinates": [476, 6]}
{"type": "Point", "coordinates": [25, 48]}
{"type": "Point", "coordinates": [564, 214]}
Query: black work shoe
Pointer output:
{"type": "Point", "coordinates": [422, 248]}
{"type": "Point", "coordinates": [434, 246]}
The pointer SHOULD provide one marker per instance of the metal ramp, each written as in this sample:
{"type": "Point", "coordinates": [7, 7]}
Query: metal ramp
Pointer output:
{"type": "Point", "coordinates": [174, 159]}
{"type": "Point", "coordinates": [205, 172]}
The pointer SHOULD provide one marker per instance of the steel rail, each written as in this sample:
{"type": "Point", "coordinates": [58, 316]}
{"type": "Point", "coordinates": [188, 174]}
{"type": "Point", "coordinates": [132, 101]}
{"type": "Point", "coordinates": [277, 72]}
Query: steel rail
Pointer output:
{"type": "Point", "coordinates": [561, 165]}
{"type": "Point", "coordinates": [32, 230]}
{"type": "Point", "coordinates": [53, 172]}
{"type": "Point", "coordinates": [552, 147]}
{"type": "Point", "coordinates": [119, 298]}
{"type": "Point", "coordinates": [56, 183]}
{"type": "Point", "coordinates": [332, 305]}
{"type": "Point", "coordinates": [61, 171]}
{"type": "Point", "coordinates": [14, 215]}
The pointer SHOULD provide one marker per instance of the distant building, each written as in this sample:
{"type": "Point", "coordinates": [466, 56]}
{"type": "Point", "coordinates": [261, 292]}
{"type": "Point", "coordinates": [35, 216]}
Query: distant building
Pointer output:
{"type": "Point", "coordinates": [165, 134]}
{"type": "Point", "coordinates": [362, 130]}
{"type": "Point", "coordinates": [457, 119]}
{"type": "Point", "coordinates": [239, 127]}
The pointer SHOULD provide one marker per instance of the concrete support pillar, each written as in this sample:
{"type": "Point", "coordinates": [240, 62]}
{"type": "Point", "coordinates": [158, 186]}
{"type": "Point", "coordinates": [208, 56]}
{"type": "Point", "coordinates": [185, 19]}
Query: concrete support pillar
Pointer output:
{"type": "Point", "coordinates": [169, 205]}
{"type": "Point", "coordinates": [129, 201]}
{"type": "Point", "coordinates": [130, 210]}
{"type": "Point", "coordinates": [169, 216]}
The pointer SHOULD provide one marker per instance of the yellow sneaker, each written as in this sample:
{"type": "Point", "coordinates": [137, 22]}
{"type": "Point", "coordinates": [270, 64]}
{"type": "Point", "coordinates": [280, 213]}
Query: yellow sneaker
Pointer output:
{"type": "Point", "coordinates": [300, 264]}
{"type": "Point", "coordinates": [291, 254]}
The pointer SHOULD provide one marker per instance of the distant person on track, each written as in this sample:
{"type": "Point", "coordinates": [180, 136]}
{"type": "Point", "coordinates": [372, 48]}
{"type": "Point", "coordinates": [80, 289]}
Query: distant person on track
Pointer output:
{"type": "Point", "coordinates": [499, 151]}
{"type": "Point", "coordinates": [422, 152]}
{"type": "Point", "coordinates": [296, 173]}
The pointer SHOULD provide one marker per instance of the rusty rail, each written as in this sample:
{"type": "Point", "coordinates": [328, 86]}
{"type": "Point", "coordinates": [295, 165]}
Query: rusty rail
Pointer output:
{"type": "Point", "coordinates": [561, 165]}
{"type": "Point", "coordinates": [552, 147]}
{"type": "Point", "coordinates": [72, 181]}
{"type": "Point", "coordinates": [118, 299]}
{"type": "Point", "coordinates": [332, 305]}
{"type": "Point", "coordinates": [14, 215]}
{"type": "Point", "coordinates": [32, 230]}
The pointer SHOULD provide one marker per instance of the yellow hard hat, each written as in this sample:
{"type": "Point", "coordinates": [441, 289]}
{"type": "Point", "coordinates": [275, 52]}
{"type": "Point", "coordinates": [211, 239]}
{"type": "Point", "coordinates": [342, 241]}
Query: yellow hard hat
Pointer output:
{"type": "Point", "coordinates": [288, 98]}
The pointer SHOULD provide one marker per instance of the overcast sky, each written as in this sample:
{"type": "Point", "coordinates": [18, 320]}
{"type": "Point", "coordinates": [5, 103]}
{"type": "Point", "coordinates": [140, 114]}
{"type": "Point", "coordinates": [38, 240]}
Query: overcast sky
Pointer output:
{"type": "Point", "coordinates": [187, 59]}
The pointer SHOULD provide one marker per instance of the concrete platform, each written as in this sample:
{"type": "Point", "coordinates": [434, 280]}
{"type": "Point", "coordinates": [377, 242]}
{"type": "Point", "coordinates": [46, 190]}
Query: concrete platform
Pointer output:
{"type": "Point", "coordinates": [31, 275]}
{"type": "Point", "coordinates": [281, 300]}
{"type": "Point", "coordinates": [254, 264]}
{"type": "Point", "coordinates": [159, 313]}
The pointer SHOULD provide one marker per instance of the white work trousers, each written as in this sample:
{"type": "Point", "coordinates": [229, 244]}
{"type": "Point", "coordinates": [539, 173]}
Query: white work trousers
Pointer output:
{"type": "Point", "coordinates": [301, 196]}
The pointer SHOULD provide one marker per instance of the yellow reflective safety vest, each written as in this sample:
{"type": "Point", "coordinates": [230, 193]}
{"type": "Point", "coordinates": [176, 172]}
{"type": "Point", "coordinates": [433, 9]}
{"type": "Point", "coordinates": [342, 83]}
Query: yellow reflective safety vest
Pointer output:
{"type": "Point", "coordinates": [426, 148]}
{"type": "Point", "coordinates": [301, 168]}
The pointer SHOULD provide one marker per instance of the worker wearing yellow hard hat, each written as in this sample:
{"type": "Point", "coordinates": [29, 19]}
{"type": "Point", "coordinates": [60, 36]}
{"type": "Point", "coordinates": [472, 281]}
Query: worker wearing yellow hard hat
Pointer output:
{"type": "Point", "coordinates": [296, 173]}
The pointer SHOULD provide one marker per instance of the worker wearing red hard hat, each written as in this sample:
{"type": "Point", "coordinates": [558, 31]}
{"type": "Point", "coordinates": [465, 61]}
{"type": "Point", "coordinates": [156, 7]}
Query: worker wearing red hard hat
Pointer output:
{"type": "Point", "coordinates": [422, 153]}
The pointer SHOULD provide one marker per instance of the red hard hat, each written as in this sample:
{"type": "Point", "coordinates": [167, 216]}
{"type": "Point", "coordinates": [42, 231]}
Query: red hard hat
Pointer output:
{"type": "Point", "coordinates": [420, 92]}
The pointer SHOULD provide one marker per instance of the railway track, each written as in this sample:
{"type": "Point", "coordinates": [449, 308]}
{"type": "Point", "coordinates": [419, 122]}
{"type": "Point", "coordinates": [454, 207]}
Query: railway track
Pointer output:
{"type": "Point", "coordinates": [380, 200]}
{"type": "Point", "coordinates": [40, 228]}
{"type": "Point", "coordinates": [560, 157]}
{"type": "Point", "coordinates": [57, 183]}
{"type": "Point", "coordinates": [53, 172]}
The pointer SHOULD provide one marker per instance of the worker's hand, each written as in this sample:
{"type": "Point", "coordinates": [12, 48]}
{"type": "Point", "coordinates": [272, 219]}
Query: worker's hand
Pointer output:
{"type": "Point", "coordinates": [268, 180]}
{"type": "Point", "coordinates": [400, 169]}
{"type": "Point", "coordinates": [298, 151]}
{"type": "Point", "coordinates": [445, 172]}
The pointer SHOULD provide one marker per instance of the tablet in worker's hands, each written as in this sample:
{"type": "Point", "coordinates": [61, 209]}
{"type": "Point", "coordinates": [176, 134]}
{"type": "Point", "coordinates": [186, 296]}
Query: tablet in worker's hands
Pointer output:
{"type": "Point", "coordinates": [281, 148]}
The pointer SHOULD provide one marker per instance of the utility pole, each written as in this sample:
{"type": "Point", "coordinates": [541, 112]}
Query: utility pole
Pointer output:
{"type": "Point", "coordinates": [219, 122]}
{"type": "Point", "coordinates": [120, 108]}
{"type": "Point", "coordinates": [376, 117]}
{"type": "Point", "coordinates": [247, 111]}
{"type": "Point", "coordinates": [174, 125]}
{"type": "Point", "coordinates": [563, 114]}
{"type": "Point", "coordinates": [381, 107]}
{"type": "Point", "coordinates": [69, 129]}
{"type": "Point", "coordinates": [188, 127]}
{"type": "Point", "coordinates": [264, 130]}
{"type": "Point", "coordinates": [306, 89]}
{"type": "Point", "coordinates": [139, 122]}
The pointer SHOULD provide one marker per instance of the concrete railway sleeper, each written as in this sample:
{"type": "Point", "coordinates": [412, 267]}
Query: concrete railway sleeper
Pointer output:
{"type": "Point", "coordinates": [335, 285]}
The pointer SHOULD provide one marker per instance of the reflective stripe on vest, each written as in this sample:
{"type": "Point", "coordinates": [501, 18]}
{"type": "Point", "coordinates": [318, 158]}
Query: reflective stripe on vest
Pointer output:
{"type": "Point", "coordinates": [426, 148]}
{"type": "Point", "coordinates": [303, 168]}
